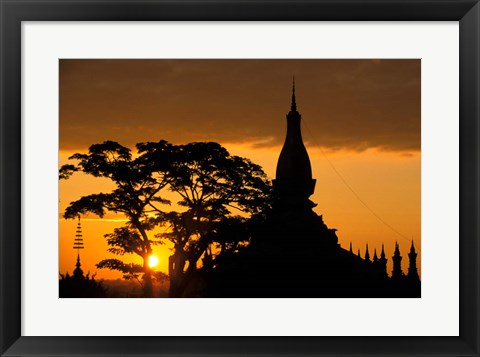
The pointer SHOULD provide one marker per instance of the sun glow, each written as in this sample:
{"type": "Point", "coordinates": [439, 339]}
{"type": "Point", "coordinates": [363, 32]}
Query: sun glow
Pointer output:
{"type": "Point", "coordinates": [152, 261]}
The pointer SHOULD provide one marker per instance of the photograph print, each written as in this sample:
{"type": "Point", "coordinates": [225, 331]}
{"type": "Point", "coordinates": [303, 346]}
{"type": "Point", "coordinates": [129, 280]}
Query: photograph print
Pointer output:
{"type": "Point", "coordinates": [240, 178]}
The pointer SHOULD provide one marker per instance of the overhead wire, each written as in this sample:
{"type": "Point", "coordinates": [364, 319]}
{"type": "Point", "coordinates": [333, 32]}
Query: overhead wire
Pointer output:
{"type": "Point", "coordinates": [349, 187]}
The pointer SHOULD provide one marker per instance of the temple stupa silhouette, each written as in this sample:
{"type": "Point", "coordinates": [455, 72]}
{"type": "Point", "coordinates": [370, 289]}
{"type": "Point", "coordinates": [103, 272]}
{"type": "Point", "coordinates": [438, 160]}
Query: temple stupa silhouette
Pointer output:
{"type": "Point", "coordinates": [293, 182]}
{"type": "Point", "coordinates": [295, 254]}
{"type": "Point", "coordinates": [79, 285]}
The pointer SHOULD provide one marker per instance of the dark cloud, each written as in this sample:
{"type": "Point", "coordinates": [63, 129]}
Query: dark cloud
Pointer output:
{"type": "Point", "coordinates": [345, 104]}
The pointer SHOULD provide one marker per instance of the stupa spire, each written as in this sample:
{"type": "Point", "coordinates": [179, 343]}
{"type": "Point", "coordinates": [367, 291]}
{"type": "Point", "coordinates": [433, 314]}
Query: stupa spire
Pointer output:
{"type": "Point", "coordinates": [294, 103]}
{"type": "Point", "coordinates": [78, 242]}
{"type": "Point", "coordinates": [397, 259]}
{"type": "Point", "coordinates": [367, 254]}
{"type": "Point", "coordinates": [293, 182]}
{"type": "Point", "coordinates": [383, 262]}
{"type": "Point", "coordinates": [412, 268]}
{"type": "Point", "coordinates": [78, 264]}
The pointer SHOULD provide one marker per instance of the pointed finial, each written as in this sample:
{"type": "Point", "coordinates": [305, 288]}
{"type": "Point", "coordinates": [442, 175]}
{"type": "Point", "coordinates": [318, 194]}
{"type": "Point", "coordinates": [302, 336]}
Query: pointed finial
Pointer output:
{"type": "Point", "coordinates": [351, 251]}
{"type": "Point", "coordinates": [382, 254]}
{"type": "Point", "coordinates": [397, 249]}
{"type": "Point", "coordinates": [294, 104]}
{"type": "Point", "coordinates": [78, 272]}
{"type": "Point", "coordinates": [412, 248]}
{"type": "Point", "coordinates": [78, 265]}
{"type": "Point", "coordinates": [375, 257]}
{"type": "Point", "coordinates": [358, 253]}
{"type": "Point", "coordinates": [367, 254]}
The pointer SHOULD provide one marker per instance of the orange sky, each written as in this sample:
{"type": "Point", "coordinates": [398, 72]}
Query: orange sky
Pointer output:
{"type": "Point", "coordinates": [363, 115]}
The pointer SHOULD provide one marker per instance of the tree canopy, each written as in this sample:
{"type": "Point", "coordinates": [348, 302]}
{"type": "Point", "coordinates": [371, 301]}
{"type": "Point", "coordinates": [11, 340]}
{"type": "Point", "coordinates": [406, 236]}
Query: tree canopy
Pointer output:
{"type": "Point", "coordinates": [216, 191]}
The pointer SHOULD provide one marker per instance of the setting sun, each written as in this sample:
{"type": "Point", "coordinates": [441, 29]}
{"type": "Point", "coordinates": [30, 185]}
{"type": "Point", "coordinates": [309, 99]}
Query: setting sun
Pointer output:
{"type": "Point", "coordinates": [152, 261]}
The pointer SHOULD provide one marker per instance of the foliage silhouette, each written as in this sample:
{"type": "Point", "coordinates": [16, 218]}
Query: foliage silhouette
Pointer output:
{"type": "Point", "coordinates": [137, 188]}
{"type": "Point", "coordinates": [210, 184]}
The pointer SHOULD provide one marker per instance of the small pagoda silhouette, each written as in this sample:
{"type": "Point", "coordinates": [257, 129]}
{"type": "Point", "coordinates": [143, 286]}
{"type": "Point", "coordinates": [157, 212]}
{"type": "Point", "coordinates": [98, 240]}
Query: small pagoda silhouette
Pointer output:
{"type": "Point", "coordinates": [295, 254]}
{"type": "Point", "coordinates": [79, 285]}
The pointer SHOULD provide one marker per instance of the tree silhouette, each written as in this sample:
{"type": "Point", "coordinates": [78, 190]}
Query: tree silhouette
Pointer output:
{"type": "Point", "coordinates": [211, 184]}
{"type": "Point", "coordinates": [214, 189]}
{"type": "Point", "coordinates": [136, 191]}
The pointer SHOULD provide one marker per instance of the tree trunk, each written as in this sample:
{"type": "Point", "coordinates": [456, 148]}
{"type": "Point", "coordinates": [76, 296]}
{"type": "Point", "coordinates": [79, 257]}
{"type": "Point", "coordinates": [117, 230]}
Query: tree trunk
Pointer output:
{"type": "Point", "coordinates": [175, 271]}
{"type": "Point", "coordinates": [147, 276]}
{"type": "Point", "coordinates": [147, 280]}
{"type": "Point", "coordinates": [192, 264]}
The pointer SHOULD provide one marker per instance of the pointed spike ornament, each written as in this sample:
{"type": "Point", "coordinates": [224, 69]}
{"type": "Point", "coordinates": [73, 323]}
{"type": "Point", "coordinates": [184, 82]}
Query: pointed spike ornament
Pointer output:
{"type": "Point", "coordinates": [382, 263]}
{"type": "Point", "coordinates": [397, 249]}
{"type": "Point", "coordinates": [367, 254]}
{"type": "Point", "coordinates": [397, 263]}
{"type": "Point", "coordinates": [382, 254]}
{"type": "Point", "coordinates": [78, 265]}
{"type": "Point", "coordinates": [412, 267]}
{"type": "Point", "coordinates": [351, 251]}
{"type": "Point", "coordinates": [294, 103]}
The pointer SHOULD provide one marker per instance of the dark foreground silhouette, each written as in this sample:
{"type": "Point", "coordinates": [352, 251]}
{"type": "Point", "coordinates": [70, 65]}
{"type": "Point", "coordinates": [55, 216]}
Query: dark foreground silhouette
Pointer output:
{"type": "Point", "coordinates": [79, 285]}
{"type": "Point", "coordinates": [296, 255]}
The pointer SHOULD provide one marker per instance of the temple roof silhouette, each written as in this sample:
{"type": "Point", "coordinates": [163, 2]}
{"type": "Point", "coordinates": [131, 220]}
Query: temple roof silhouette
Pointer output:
{"type": "Point", "coordinates": [294, 162]}
{"type": "Point", "coordinates": [294, 171]}
{"type": "Point", "coordinates": [293, 253]}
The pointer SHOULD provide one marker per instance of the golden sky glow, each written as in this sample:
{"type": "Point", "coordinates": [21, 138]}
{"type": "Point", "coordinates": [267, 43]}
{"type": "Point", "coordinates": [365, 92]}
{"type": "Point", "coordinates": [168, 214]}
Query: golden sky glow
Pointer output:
{"type": "Point", "coordinates": [363, 115]}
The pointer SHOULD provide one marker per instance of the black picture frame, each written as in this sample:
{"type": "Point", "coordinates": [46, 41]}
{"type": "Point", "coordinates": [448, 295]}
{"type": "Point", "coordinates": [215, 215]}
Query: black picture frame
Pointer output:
{"type": "Point", "coordinates": [13, 12]}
